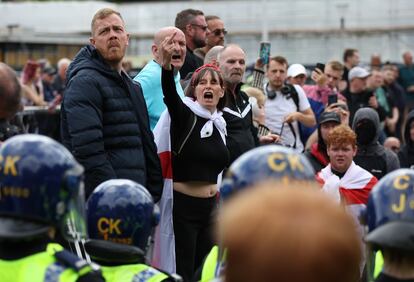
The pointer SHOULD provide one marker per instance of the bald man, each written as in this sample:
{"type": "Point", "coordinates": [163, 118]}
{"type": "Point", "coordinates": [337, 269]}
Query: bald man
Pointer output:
{"type": "Point", "coordinates": [393, 144]}
{"type": "Point", "coordinates": [150, 76]}
{"type": "Point", "coordinates": [241, 133]}
{"type": "Point", "coordinates": [10, 92]}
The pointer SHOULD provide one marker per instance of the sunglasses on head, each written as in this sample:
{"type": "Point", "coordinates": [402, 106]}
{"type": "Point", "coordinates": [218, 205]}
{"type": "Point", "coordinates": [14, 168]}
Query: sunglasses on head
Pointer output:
{"type": "Point", "coordinates": [218, 32]}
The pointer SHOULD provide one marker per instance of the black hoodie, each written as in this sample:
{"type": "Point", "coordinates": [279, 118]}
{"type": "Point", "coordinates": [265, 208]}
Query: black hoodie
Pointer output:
{"type": "Point", "coordinates": [373, 156]}
{"type": "Point", "coordinates": [406, 155]}
{"type": "Point", "coordinates": [105, 125]}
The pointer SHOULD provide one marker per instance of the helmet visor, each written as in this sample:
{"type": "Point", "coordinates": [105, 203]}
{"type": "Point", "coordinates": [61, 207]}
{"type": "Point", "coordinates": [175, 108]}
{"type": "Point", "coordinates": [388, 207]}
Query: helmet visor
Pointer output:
{"type": "Point", "coordinates": [73, 223]}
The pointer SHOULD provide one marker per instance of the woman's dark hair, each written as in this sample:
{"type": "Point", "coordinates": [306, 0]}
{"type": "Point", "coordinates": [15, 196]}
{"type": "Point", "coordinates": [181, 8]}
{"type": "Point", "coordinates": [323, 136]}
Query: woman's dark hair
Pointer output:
{"type": "Point", "coordinates": [198, 75]}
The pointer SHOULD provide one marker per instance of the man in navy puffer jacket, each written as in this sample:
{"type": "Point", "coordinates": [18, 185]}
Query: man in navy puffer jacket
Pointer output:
{"type": "Point", "coordinates": [104, 117]}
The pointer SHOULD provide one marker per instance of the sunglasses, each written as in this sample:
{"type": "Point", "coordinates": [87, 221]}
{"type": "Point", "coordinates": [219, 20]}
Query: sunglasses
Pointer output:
{"type": "Point", "coordinates": [202, 27]}
{"type": "Point", "coordinates": [218, 32]}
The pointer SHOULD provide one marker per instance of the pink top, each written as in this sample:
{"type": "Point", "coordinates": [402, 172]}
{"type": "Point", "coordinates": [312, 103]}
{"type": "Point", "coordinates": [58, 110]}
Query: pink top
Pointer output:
{"type": "Point", "coordinates": [320, 94]}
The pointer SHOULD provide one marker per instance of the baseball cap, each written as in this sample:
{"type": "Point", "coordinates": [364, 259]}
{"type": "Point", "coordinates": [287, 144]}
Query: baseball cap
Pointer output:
{"type": "Point", "coordinates": [295, 70]}
{"type": "Point", "coordinates": [329, 116]}
{"type": "Point", "coordinates": [49, 70]}
{"type": "Point", "coordinates": [358, 72]}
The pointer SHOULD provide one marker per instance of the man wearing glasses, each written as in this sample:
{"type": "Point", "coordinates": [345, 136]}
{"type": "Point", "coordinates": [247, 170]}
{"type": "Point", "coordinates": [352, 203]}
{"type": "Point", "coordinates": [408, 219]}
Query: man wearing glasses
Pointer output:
{"type": "Point", "coordinates": [215, 37]}
{"type": "Point", "coordinates": [193, 24]}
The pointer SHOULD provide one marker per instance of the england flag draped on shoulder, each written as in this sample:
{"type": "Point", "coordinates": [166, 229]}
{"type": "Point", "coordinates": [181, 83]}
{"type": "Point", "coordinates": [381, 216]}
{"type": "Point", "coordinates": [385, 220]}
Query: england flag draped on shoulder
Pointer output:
{"type": "Point", "coordinates": [352, 189]}
{"type": "Point", "coordinates": [164, 249]}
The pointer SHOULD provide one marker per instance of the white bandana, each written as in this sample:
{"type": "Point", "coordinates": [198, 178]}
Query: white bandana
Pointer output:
{"type": "Point", "coordinates": [215, 118]}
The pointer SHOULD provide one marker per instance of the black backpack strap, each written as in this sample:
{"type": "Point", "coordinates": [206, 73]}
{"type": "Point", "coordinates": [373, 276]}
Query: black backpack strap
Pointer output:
{"type": "Point", "coordinates": [294, 134]}
{"type": "Point", "coordinates": [294, 95]}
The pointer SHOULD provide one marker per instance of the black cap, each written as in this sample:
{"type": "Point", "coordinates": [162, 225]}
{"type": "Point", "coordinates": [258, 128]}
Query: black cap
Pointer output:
{"type": "Point", "coordinates": [329, 116]}
{"type": "Point", "coordinates": [49, 70]}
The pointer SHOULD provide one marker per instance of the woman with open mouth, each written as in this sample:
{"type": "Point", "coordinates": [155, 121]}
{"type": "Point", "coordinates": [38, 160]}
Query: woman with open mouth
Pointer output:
{"type": "Point", "coordinates": [199, 155]}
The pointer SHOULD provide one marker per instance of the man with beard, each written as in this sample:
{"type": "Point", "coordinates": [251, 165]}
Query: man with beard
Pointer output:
{"type": "Point", "coordinates": [284, 112]}
{"type": "Point", "coordinates": [104, 118]}
{"type": "Point", "coordinates": [150, 76]}
{"type": "Point", "coordinates": [215, 37]}
{"type": "Point", "coordinates": [193, 25]}
{"type": "Point", "coordinates": [241, 133]}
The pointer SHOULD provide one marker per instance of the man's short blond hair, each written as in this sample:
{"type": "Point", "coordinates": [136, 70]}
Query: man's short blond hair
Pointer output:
{"type": "Point", "coordinates": [275, 232]}
{"type": "Point", "coordinates": [102, 14]}
{"type": "Point", "coordinates": [336, 66]}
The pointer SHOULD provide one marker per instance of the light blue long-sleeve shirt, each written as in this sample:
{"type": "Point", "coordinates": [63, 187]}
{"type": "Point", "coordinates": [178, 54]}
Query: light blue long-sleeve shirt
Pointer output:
{"type": "Point", "coordinates": [150, 79]}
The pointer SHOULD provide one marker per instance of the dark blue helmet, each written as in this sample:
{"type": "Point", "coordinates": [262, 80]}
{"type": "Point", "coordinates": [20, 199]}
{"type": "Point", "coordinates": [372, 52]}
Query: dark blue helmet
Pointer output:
{"type": "Point", "coordinates": [41, 186]}
{"type": "Point", "coordinates": [121, 211]}
{"type": "Point", "coordinates": [390, 211]}
{"type": "Point", "coordinates": [266, 162]}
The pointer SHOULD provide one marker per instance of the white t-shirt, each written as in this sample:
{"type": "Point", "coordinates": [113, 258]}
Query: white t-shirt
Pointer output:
{"type": "Point", "coordinates": [275, 111]}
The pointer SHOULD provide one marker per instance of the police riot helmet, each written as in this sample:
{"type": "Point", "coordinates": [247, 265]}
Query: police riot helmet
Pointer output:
{"type": "Point", "coordinates": [121, 211]}
{"type": "Point", "coordinates": [390, 211]}
{"type": "Point", "coordinates": [41, 185]}
{"type": "Point", "coordinates": [270, 162]}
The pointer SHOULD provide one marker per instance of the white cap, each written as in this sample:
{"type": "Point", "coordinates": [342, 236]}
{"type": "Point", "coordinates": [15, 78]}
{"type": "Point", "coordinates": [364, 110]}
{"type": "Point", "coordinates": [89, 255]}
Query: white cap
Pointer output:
{"type": "Point", "coordinates": [295, 70]}
{"type": "Point", "coordinates": [358, 72]}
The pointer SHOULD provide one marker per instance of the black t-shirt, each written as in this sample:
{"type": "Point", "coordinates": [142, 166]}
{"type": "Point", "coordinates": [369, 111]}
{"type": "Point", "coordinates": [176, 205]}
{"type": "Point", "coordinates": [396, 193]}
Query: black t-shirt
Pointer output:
{"type": "Point", "coordinates": [337, 173]}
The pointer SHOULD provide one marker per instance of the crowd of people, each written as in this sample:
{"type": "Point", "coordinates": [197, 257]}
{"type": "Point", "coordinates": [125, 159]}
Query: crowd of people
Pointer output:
{"type": "Point", "coordinates": [189, 174]}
